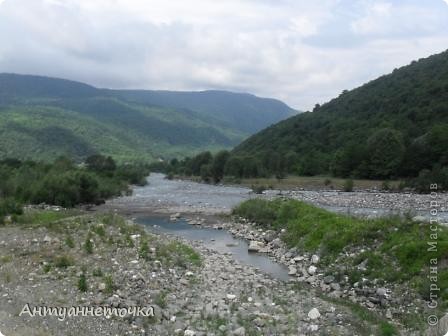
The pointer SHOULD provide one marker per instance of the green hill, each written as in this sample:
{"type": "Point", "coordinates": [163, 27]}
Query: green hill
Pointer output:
{"type": "Point", "coordinates": [42, 118]}
{"type": "Point", "coordinates": [394, 126]}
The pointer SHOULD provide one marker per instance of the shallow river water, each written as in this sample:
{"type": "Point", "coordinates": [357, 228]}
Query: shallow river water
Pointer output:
{"type": "Point", "coordinates": [219, 240]}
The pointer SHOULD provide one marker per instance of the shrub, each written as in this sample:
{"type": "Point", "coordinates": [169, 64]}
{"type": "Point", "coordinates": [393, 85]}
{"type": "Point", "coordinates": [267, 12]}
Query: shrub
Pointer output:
{"type": "Point", "coordinates": [69, 242]}
{"type": "Point", "coordinates": [110, 285]}
{"type": "Point", "coordinates": [82, 283]}
{"type": "Point", "coordinates": [88, 245]}
{"type": "Point", "coordinates": [63, 261]}
{"type": "Point", "coordinates": [348, 185]}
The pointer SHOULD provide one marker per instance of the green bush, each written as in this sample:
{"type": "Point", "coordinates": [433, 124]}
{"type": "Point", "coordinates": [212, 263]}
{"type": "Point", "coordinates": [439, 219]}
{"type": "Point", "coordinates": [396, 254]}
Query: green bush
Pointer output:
{"type": "Point", "coordinates": [348, 185]}
{"type": "Point", "coordinates": [82, 283]}
{"type": "Point", "coordinates": [88, 245]}
{"type": "Point", "coordinates": [64, 261]}
{"type": "Point", "coordinates": [400, 244]}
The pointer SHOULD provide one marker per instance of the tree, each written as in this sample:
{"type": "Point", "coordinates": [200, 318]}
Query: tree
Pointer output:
{"type": "Point", "coordinates": [234, 167]}
{"type": "Point", "coordinates": [101, 164]}
{"type": "Point", "coordinates": [219, 162]}
{"type": "Point", "coordinates": [385, 153]}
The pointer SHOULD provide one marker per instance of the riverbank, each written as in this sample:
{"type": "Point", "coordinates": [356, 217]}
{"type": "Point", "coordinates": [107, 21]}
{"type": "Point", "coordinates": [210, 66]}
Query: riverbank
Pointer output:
{"type": "Point", "coordinates": [184, 196]}
{"type": "Point", "coordinates": [59, 259]}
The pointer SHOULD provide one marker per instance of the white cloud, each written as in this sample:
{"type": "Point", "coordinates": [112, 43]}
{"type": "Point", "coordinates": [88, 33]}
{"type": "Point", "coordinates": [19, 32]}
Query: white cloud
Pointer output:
{"type": "Point", "coordinates": [295, 50]}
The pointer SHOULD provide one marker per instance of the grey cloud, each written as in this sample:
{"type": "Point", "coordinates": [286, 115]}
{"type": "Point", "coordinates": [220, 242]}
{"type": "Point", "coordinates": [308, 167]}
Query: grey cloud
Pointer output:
{"type": "Point", "coordinates": [298, 51]}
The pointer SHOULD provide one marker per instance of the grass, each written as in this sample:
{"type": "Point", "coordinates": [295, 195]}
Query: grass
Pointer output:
{"type": "Point", "coordinates": [313, 182]}
{"type": "Point", "coordinates": [395, 247]}
{"type": "Point", "coordinates": [46, 218]}
{"type": "Point", "coordinates": [64, 261]}
{"type": "Point", "coordinates": [178, 254]}
{"type": "Point", "coordinates": [88, 245]}
{"type": "Point", "coordinates": [160, 299]}
{"type": "Point", "coordinates": [382, 326]}
{"type": "Point", "coordinates": [110, 285]}
{"type": "Point", "coordinates": [82, 283]}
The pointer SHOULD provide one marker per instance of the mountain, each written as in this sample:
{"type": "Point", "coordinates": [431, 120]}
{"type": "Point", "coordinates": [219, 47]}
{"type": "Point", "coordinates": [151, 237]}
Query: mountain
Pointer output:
{"type": "Point", "coordinates": [394, 126]}
{"type": "Point", "coordinates": [42, 118]}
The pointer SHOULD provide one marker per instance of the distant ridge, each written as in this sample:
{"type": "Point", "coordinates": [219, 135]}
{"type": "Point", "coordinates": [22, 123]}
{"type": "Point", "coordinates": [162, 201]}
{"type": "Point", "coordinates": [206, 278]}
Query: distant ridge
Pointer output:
{"type": "Point", "coordinates": [43, 117]}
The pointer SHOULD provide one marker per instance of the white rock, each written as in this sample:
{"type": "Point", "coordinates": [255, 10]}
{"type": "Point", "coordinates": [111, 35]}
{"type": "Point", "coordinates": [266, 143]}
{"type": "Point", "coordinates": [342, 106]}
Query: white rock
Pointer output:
{"type": "Point", "coordinates": [231, 296]}
{"type": "Point", "coordinates": [314, 314]}
{"type": "Point", "coordinates": [239, 332]}
{"type": "Point", "coordinates": [315, 259]}
{"type": "Point", "coordinates": [189, 274]}
{"type": "Point", "coordinates": [189, 333]}
{"type": "Point", "coordinates": [419, 219]}
{"type": "Point", "coordinates": [255, 246]}
{"type": "Point", "coordinates": [313, 327]}
{"type": "Point", "coordinates": [292, 270]}
{"type": "Point", "coordinates": [312, 270]}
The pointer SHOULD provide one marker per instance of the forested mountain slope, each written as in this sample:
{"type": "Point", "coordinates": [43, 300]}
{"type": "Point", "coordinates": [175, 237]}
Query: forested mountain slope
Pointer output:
{"type": "Point", "coordinates": [394, 126]}
{"type": "Point", "coordinates": [42, 118]}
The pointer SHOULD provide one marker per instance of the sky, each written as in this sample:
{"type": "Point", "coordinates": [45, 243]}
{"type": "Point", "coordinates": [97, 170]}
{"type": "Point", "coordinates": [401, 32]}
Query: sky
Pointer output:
{"type": "Point", "coordinates": [302, 52]}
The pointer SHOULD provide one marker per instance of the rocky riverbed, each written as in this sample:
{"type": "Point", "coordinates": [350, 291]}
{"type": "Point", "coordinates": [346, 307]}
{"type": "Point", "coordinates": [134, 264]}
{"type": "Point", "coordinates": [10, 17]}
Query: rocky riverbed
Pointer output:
{"type": "Point", "coordinates": [194, 289]}
{"type": "Point", "coordinates": [124, 267]}
{"type": "Point", "coordinates": [172, 196]}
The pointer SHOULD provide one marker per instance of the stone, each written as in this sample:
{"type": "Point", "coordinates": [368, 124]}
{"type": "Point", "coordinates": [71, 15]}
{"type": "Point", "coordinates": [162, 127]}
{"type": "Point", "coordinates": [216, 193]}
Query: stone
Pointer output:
{"type": "Point", "coordinates": [313, 327]}
{"type": "Point", "coordinates": [189, 332]}
{"type": "Point", "coordinates": [276, 243]}
{"type": "Point", "coordinates": [255, 246]}
{"type": "Point", "coordinates": [419, 219]}
{"type": "Point", "coordinates": [292, 270]}
{"type": "Point", "coordinates": [312, 270]}
{"type": "Point", "coordinates": [314, 314]}
{"type": "Point", "coordinates": [328, 279]}
{"type": "Point", "coordinates": [101, 286]}
{"type": "Point", "coordinates": [231, 296]}
{"type": "Point", "coordinates": [315, 259]}
{"type": "Point", "coordinates": [381, 292]}
{"type": "Point", "coordinates": [239, 332]}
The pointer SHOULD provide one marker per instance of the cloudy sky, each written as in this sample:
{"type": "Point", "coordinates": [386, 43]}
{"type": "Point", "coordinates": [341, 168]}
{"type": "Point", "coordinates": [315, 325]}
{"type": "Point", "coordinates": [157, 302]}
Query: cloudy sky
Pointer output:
{"type": "Point", "coordinates": [303, 52]}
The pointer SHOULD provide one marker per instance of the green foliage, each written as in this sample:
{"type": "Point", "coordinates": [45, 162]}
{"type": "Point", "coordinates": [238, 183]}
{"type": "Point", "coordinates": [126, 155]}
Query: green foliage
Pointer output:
{"type": "Point", "coordinates": [218, 164]}
{"type": "Point", "coordinates": [69, 242]}
{"type": "Point", "coordinates": [394, 126]}
{"type": "Point", "coordinates": [386, 151]}
{"type": "Point", "coordinates": [42, 118]}
{"type": "Point", "coordinates": [101, 164]}
{"type": "Point", "coordinates": [400, 243]}
{"type": "Point", "coordinates": [9, 206]}
{"type": "Point", "coordinates": [97, 272]}
{"type": "Point", "coordinates": [64, 261]}
{"type": "Point", "coordinates": [178, 254]}
{"type": "Point", "coordinates": [88, 244]}
{"type": "Point", "coordinates": [348, 185]}
{"type": "Point", "coordinates": [110, 285]}
{"type": "Point", "coordinates": [61, 183]}
{"type": "Point", "coordinates": [143, 251]}
{"type": "Point", "coordinates": [82, 283]}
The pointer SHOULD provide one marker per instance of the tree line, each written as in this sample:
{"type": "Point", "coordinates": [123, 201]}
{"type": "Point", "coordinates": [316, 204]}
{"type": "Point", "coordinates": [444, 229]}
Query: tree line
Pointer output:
{"type": "Point", "coordinates": [64, 183]}
{"type": "Point", "coordinates": [385, 155]}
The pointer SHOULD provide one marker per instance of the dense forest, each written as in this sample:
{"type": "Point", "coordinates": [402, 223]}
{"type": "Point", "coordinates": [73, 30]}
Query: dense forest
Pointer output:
{"type": "Point", "coordinates": [63, 182]}
{"type": "Point", "coordinates": [395, 127]}
{"type": "Point", "coordinates": [42, 118]}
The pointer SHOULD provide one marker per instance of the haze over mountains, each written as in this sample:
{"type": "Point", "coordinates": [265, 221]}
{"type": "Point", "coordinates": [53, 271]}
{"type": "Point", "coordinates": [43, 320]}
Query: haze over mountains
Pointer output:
{"type": "Point", "coordinates": [42, 118]}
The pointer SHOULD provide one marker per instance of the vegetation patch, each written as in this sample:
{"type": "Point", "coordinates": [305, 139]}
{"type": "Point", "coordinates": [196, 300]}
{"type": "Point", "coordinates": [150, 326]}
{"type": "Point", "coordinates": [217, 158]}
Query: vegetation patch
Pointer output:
{"type": "Point", "coordinates": [395, 248]}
